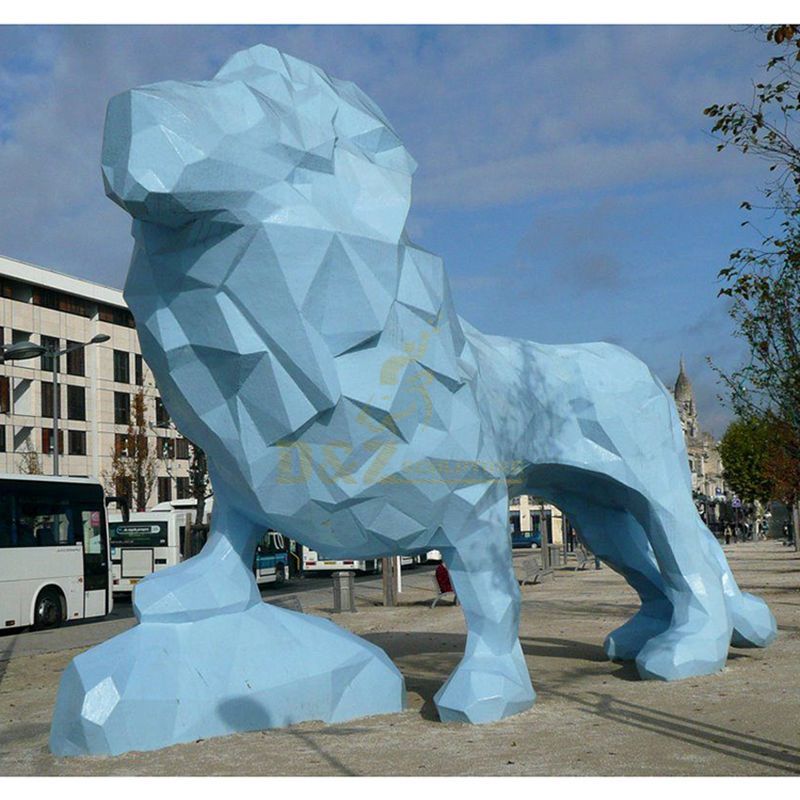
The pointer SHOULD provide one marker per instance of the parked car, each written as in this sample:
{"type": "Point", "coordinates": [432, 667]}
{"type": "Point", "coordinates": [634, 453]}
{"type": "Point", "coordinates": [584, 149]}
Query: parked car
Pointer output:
{"type": "Point", "coordinates": [526, 539]}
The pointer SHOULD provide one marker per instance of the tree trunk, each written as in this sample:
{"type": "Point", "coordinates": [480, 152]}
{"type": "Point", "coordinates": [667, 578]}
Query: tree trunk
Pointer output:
{"type": "Point", "coordinates": [387, 574]}
{"type": "Point", "coordinates": [796, 525]}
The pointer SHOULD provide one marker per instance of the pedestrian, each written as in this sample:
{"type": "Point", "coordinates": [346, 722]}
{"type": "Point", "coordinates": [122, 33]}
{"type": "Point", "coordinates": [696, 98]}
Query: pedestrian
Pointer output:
{"type": "Point", "coordinates": [443, 579]}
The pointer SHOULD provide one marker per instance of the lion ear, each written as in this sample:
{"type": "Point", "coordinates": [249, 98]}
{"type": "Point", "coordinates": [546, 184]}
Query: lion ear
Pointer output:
{"type": "Point", "coordinates": [362, 121]}
{"type": "Point", "coordinates": [385, 148]}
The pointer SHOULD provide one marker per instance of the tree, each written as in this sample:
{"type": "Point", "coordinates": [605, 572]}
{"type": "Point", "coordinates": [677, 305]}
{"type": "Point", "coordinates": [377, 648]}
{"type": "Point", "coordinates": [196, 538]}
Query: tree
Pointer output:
{"type": "Point", "coordinates": [764, 281]}
{"type": "Point", "coordinates": [781, 469]}
{"type": "Point", "coordinates": [29, 463]}
{"type": "Point", "coordinates": [133, 462]}
{"type": "Point", "coordinates": [744, 449]}
{"type": "Point", "coordinates": [199, 481]}
{"type": "Point", "coordinates": [117, 479]}
{"type": "Point", "coordinates": [199, 488]}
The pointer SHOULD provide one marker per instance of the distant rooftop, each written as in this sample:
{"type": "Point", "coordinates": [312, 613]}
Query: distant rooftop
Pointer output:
{"type": "Point", "coordinates": [50, 279]}
{"type": "Point", "coordinates": [683, 386]}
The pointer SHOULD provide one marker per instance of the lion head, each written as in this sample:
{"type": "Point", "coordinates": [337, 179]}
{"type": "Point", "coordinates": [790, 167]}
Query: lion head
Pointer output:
{"type": "Point", "coordinates": [270, 139]}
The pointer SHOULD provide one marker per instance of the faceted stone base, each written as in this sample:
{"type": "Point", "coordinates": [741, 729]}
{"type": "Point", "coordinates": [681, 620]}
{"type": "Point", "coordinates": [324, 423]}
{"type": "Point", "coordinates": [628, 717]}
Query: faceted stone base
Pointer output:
{"type": "Point", "coordinates": [160, 684]}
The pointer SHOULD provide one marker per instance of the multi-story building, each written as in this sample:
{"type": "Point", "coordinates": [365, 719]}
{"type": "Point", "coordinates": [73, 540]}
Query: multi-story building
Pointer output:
{"type": "Point", "coordinates": [527, 513]}
{"type": "Point", "coordinates": [97, 384]}
{"type": "Point", "coordinates": [705, 462]}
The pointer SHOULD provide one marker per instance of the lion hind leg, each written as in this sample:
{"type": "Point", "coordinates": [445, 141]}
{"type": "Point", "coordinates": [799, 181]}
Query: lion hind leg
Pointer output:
{"type": "Point", "coordinates": [753, 622]}
{"type": "Point", "coordinates": [615, 537]}
{"type": "Point", "coordinates": [681, 591]}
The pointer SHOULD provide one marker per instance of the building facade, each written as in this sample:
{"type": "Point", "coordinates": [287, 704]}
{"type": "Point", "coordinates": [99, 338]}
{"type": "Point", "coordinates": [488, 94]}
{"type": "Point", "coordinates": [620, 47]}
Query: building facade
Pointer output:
{"type": "Point", "coordinates": [705, 463]}
{"type": "Point", "coordinates": [97, 384]}
{"type": "Point", "coordinates": [527, 513]}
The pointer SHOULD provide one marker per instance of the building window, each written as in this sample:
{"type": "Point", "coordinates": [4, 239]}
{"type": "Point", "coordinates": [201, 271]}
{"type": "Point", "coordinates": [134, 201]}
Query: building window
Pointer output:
{"type": "Point", "coordinates": [46, 363]}
{"type": "Point", "coordinates": [166, 447]}
{"type": "Point", "coordinates": [76, 402]}
{"type": "Point", "coordinates": [182, 448]}
{"type": "Point", "coordinates": [139, 369]}
{"type": "Point", "coordinates": [19, 336]}
{"type": "Point", "coordinates": [47, 401]}
{"type": "Point", "coordinates": [182, 488]}
{"type": "Point", "coordinates": [77, 443]}
{"type": "Point", "coordinates": [5, 395]}
{"type": "Point", "coordinates": [48, 298]}
{"type": "Point", "coordinates": [164, 490]}
{"type": "Point", "coordinates": [122, 373]}
{"type": "Point", "coordinates": [2, 438]}
{"type": "Point", "coordinates": [76, 360]}
{"type": "Point", "coordinates": [116, 316]}
{"type": "Point", "coordinates": [47, 440]}
{"type": "Point", "coordinates": [162, 417]}
{"type": "Point", "coordinates": [122, 408]}
{"type": "Point", "coordinates": [74, 305]}
{"type": "Point", "coordinates": [121, 444]}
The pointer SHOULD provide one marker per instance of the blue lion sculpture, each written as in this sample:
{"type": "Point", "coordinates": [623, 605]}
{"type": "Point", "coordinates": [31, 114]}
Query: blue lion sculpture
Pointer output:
{"type": "Point", "coordinates": [313, 351]}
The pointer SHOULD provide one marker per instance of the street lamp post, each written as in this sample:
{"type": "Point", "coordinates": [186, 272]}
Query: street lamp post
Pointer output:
{"type": "Point", "coordinates": [24, 350]}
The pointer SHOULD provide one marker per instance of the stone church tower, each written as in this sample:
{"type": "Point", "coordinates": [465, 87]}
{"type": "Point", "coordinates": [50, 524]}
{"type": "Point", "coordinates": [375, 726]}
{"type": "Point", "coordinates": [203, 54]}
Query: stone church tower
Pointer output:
{"type": "Point", "coordinates": [705, 463]}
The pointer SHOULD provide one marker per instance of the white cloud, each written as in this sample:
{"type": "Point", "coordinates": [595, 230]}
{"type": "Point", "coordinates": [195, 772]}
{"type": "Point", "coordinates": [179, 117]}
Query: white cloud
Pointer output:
{"type": "Point", "coordinates": [494, 115]}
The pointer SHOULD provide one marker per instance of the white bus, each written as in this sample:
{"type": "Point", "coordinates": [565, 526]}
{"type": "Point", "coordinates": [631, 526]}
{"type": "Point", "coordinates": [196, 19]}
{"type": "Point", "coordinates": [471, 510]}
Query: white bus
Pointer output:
{"type": "Point", "coordinates": [149, 541]}
{"type": "Point", "coordinates": [313, 562]}
{"type": "Point", "coordinates": [189, 507]}
{"type": "Point", "coordinates": [54, 551]}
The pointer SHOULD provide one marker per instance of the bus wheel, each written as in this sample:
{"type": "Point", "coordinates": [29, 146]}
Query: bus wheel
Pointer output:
{"type": "Point", "coordinates": [47, 612]}
{"type": "Point", "coordinates": [280, 574]}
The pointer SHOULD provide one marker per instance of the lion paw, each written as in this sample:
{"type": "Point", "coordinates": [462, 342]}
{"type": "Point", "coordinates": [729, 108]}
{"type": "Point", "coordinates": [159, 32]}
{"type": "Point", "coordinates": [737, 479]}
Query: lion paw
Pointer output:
{"type": "Point", "coordinates": [486, 689]}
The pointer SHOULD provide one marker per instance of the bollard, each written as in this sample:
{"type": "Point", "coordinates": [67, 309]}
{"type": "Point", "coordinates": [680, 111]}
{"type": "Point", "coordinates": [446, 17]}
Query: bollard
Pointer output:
{"type": "Point", "coordinates": [344, 592]}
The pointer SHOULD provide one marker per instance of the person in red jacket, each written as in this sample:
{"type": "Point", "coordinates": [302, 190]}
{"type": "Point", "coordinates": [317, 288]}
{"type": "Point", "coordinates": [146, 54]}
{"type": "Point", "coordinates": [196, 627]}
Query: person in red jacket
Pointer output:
{"type": "Point", "coordinates": [443, 579]}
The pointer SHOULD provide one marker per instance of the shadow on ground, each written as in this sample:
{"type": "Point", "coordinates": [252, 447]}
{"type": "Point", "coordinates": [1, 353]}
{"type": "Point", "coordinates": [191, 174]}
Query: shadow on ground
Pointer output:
{"type": "Point", "coordinates": [435, 655]}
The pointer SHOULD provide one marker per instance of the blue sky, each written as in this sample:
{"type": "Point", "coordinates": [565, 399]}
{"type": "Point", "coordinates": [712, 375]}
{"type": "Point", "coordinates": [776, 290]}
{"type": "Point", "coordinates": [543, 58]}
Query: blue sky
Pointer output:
{"type": "Point", "coordinates": [566, 175]}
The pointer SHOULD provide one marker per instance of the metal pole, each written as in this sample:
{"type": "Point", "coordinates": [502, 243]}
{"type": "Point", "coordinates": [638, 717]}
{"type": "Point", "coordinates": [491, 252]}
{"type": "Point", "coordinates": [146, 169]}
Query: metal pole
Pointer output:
{"type": "Point", "coordinates": [397, 576]}
{"type": "Point", "coordinates": [54, 355]}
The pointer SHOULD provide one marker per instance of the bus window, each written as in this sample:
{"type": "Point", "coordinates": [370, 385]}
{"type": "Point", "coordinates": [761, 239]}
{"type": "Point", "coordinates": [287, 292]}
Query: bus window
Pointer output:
{"type": "Point", "coordinates": [6, 520]}
{"type": "Point", "coordinates": [92, 532]}
{"type": "Point", "coordinates": [42, 523]}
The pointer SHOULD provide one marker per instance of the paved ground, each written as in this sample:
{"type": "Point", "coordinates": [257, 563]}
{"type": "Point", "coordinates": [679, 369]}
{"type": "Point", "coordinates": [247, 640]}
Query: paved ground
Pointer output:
{"type": "Point", "coordinates": [592, 717]}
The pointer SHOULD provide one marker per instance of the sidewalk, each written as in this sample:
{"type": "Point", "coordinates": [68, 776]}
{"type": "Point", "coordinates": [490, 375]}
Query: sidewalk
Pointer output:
{"type": "Point", "coordinates": [592, 717]}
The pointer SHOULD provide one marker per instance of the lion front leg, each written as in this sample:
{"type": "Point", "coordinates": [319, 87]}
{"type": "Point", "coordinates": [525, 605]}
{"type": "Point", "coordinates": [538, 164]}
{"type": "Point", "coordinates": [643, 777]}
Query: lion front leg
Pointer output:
{"type": "Point", "coordinates": [491, 681]}
{"type": "Point", "coordinates": [218, 580]}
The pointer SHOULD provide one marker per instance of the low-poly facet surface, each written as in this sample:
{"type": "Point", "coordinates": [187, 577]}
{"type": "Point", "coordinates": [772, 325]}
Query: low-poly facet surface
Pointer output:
{"type": "Point", "coordinates": [313, 351]}
{"type": "Point", "coordinates": [157, 685]}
